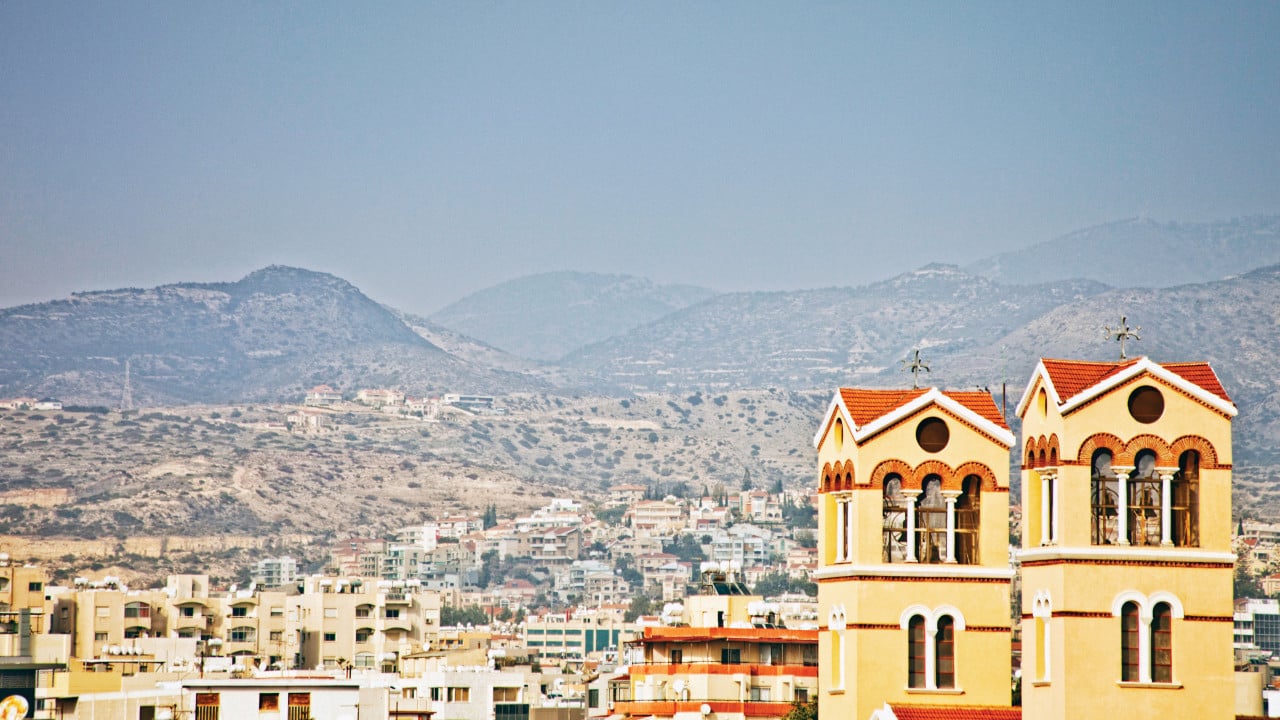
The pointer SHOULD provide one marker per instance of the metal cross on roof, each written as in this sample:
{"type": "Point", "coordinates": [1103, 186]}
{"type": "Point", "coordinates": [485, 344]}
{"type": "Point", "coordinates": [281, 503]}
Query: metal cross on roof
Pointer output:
{"type": "Point", "coordinates": [1123, 333]}
{"type": "Point", "coordinates": [914, 366]}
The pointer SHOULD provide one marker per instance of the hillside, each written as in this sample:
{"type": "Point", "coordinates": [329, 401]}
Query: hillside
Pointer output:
{"type": "Point", "coordinates": [822, 338]}
{"type": "Point", "coordinates": [1140, 252]}
{"type": "Point", "coordinates": [268, 336]}
{"type": "Point", "coordinates": [545, 316]}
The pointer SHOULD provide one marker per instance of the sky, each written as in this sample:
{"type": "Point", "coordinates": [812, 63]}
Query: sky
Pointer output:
{"type": "Point", "coordinates": [425, 151]}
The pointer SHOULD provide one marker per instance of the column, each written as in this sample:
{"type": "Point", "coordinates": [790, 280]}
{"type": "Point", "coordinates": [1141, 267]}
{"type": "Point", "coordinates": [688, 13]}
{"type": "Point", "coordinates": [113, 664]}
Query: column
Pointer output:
{"type": "Point", "coordinates": [1122, 508]}
{"type": "Point", "coordinates": [1044, 508]}
{"type": "Point", "coordinates": [1166, 507]}
{"type": "Point", "coordinates": [840, 525]}
{"type": "Point", "coordinates": [848, 528]}
{"type": "Point", "coordinates": [950, 496]}
{"type": "Point", "coordinates": [911, 526]}
{"type": "Point", "coordinates": [1055, 489]}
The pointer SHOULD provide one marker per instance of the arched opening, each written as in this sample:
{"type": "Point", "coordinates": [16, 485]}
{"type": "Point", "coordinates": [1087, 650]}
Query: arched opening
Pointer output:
{"type": "Point", "coordinates": [894, 520]}
{"type": "Point", "coordinates": [1129, 642]}
{"type": "Point", "coordinates": [1185, 504]}
{"type": "Point", "coordinates": [1105, 496]}
{"type": "Point", "coordinates": [945, 653]}
{"type": "Point", "coordinates": [968, 517]}
{"type": "Point", "coordinates": [1161, 643]}
{"type": "Point", "coordinates": [931, 522]}
{"type": "Point", "coordinates": [916, 652]}
{"type": "Point", "coordinates": [1144, 498]}
{"type": "Point", "coordinates": [838, 434]}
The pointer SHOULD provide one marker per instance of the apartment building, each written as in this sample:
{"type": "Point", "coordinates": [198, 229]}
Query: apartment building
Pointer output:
{"type": "Point", "coordinates": [272, 573]}
{"type": "Point", "coordinates": [367, 624]}
{"type": "Point", "coordinates": [579, 635]}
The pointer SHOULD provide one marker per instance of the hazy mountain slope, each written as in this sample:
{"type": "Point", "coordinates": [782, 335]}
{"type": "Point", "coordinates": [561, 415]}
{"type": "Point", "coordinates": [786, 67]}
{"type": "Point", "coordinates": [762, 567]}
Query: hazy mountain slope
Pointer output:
{"type": "Point", "coordinates": [268, 336]}
{"type": "Point", "coordinates": [545, 316]}
{"type": "Point", "coordinates": [1143, 253]}
{"type": "Point", "coordinates": [821, 338]}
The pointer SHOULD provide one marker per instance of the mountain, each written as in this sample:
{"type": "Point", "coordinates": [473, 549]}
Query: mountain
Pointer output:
{"type": "Point", "coordinates": [822, 338]}
{"type": "Point", "coordinates": [545, 316]}
{"type": "Point", "coordinates": [1140, 252]}
{"type": "Point", "coordinates": [267, 337]}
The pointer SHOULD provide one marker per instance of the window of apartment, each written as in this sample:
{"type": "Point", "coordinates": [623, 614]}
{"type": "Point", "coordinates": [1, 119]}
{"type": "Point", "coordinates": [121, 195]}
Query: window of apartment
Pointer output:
{"type": "Point", "coordinates": [363, 634]}
{"type": "Point", "coordinates": [772, 654]}
{"type": "Point", "coordinates": [331, 637]}
{"type": "Point", "coordinates": [35, 587]}
{"type": "Point", "coordinates": [187, 611]}
{"type": "Point", "coordinates": [102, 611]}
{"type": "Point", "coordinates": [277, 612]}
{"type": "Point", "coordinates": [208, 706]}
{"type": "Point", "coordinates": [437, 694]}
{"type": "Point", "coordinates": [331, 612]}
{"type": "Point", "coordinates": [364, 660]}
{"type": "Point", "coordinates": [99, 637]}
{"type": "Point", "coordinates": [136, 631]}
{"type": "Point", "coordinates": [269, 701]}
{"type": "Point", "coordinates": [275, 636]}
{"type": "Point", "coordinates": [802, 695]}
{"type": "Point", "coordinates": [137, 610]}
{"type": "Point", "coordinates": [676, 656]}
{"type": "Point", "coordinates": [362, 611]}
{"type": "Point", "coordinates": [761, 694]}
{"type": "Point", "coordinates": [459, 694]}
{"type": "Point", "coordinates": [240, 611]}
{"type": "Point", "coordinates": [299, 706]}
{"type": "Point", "coordinates": [243, 633]}
{"type": "Point", "coordinates": [391, 613]}
{"type": "Point", "coordinates": [506, 694]}
{"type": "Point", "coordinates": [730, 656]}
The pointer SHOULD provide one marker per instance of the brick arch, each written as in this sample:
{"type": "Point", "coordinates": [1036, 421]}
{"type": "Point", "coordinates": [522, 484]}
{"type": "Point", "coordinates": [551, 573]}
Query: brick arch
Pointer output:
{"type": "Point", "coordinates": [889, 467]}
{"type": "Point", "coordinates": [1096, 442]}
{"type": "Point", "coordinates": [845, 476]}
{"type": "Point", "coordinates": [1055, 450]}
{"type": "Point", "coordinates": [825, 481]}
{"type": "Point", "coordinates": [1029, 454]}
{"type": "Point", "coordinates": [1146, 442]}
{"type": "Point", "coordinates": [1208, 454]}
{"type": "Point", "coordinates": [934, 467]}
{"type": "Point", "coordinates": [975, 468]}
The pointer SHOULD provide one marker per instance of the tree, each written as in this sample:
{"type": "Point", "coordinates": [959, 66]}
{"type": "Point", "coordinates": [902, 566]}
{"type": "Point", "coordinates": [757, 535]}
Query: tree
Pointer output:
{"type": "Point", "coordinates": [640, 605]}
{"type": "Point", "coordinates": [802, 710]}
{"type": "Point", "coordinates": [1246, 582]}
{"type": "Point", "coordinates": [490, 516]}
{"type": "Point", "coordinates": [778, 583]}
{"type": "Point", "coordinates": [471, 614]}
{"type": "Point", "coordinates": [490, 567]}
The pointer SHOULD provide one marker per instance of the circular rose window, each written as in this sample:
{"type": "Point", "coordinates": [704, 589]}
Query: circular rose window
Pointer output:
{"type": "Point", "coordinates": [932, 434]}
{"type": "Point", "coordinates": [1146, 404]}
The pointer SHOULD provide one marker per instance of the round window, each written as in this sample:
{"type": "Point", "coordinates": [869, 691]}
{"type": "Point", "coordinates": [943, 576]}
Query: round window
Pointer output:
{"type": "Point", "coordinates": [1146, 404]}
{"type": "Point", "coordinates": [932, 434]}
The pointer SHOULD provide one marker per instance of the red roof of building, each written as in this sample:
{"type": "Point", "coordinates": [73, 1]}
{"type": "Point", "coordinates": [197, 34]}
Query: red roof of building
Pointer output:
{"type": "Point", "coordinates": [953, 712]}
{"type": "Point", "coordinates": [1071, 377]}
{"type": "Point", "coordinates": [867, 405]}
{"type": "Point", "coordinates": [751, 634]}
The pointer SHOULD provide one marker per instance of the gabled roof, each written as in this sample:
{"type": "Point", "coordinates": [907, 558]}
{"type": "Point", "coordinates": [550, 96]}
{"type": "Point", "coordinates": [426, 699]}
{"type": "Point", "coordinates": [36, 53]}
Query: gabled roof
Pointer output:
{"type": "Point", "coordinates": [951, 712]}
{"type": "Point", "coordinates": [868, 411]}
{"type": "Point", "coordinates": [1071, 383]}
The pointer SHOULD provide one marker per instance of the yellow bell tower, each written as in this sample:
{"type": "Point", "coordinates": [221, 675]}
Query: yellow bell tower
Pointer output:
{"type": "Point", "coordinates": [913, 554]}
{"type": "Point", "coordinates": [1126, 541]}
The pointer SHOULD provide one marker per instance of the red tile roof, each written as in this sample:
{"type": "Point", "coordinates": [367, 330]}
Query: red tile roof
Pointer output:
{"type": "Point", "coordinates": [867, 405]}
{"type": "Point", "coordinates": [1071, 377]}
{"type": "Point", "coordinates": [952, 712]}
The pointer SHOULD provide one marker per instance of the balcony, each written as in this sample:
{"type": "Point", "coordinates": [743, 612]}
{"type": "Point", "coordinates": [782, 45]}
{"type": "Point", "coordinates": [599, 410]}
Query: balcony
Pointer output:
{"type": "Point", "coordinates": [399, 598]}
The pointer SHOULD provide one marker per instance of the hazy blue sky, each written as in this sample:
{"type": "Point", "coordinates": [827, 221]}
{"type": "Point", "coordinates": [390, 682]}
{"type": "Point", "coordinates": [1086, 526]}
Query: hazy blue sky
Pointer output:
{"type": "Point", "coordinates": [424, 151]}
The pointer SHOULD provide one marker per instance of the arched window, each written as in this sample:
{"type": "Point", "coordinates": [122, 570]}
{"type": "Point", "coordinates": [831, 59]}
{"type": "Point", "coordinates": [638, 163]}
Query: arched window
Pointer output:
{"type": "Point", "coordinates": [1129, 650]}
{"type": "Point", "coordinates": [916, 660]}
{"type": "Point", "coordinates": [945, 653]}
{"type": "Point", "coordinates": [968, 515]}
{"type": "Point", "coordinates": [838, 433]}
{"type": "Point", "coordinates": [1105, 500]}
{"type": "Point", "coordinates": [1145, 502]}
{"type": "Point", "coordinates": [894, 516]}
{"type": "Point", "coordinates": [1161, 643]}
{"type": "Point", "coordinates": [1185, 504]}
{"type": "Point", "coordinates": [931, 522]}
{"type": "Point", "coordinates": [243, 633]}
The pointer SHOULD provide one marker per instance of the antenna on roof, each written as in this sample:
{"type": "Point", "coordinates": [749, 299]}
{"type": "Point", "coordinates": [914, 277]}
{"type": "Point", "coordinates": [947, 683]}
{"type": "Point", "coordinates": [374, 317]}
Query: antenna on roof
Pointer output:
{"type": "Point", "coordinates": [1123, 333]}
{"type": "Point", "coordinates": [914, 366]}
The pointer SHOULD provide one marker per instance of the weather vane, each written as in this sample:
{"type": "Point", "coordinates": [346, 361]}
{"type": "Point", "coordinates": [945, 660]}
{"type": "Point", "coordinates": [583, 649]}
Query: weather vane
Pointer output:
{"type": "Point", "coordinates": [1122, 333]}
{"type": "Point", "coordinates": [914, 366]}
